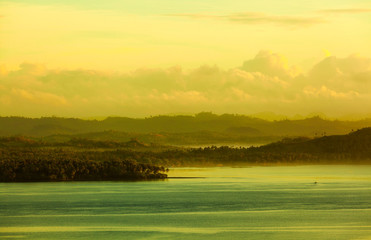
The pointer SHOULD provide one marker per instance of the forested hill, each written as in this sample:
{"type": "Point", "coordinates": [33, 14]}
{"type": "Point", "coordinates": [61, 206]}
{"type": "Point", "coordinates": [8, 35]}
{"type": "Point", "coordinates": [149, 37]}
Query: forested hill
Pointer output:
{"type": "Point", "coordinates": [353, 148]}
{"type": "Point", "coordinates": [355, 143]}
{"type": "Point", "coordinates": [24, 159]}
{"type": "Point", "coordinates": [226, 124]}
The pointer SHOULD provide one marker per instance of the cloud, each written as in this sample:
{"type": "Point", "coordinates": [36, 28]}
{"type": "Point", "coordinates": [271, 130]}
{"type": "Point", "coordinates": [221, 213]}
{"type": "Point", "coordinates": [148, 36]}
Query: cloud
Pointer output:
{"type": "Point", "coordinates": [352, 72]}
{"type": "Point", "coordinates": [346, 11]}
{"type": "Point", "coordinates": [266, 82]}
{"type": "Point", "coordinates": [271, 64]}
{"type": "Point", "coordinates": [256, 18]}
{"type": "Point", "coordinates": [279, 20]}
{"type": "Point", "coordinates": [326, 92]}
{"type": "Point", "coordinates": [38, 97]}
{"type": "Point", "coordinates": [251, 17]}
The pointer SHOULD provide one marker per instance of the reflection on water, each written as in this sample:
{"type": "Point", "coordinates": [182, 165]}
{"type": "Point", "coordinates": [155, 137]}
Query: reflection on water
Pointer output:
{"type": "Point", "coordinates": [220, 203]}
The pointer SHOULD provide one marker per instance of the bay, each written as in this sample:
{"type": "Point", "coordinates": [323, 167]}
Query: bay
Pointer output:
{"type": "Point", "coordinates": [285, 202]}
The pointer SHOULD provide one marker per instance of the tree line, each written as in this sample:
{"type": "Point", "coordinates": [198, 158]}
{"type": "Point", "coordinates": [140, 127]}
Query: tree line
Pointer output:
{"type": "Point", "coordinates": [23, 159]}
{"type": "Point", "coordinates": [48, 164]}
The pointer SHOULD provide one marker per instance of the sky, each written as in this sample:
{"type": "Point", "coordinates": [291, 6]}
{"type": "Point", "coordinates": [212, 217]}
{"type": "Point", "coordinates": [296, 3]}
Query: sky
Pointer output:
{"type": "Point", "coordinates": [86, 58]}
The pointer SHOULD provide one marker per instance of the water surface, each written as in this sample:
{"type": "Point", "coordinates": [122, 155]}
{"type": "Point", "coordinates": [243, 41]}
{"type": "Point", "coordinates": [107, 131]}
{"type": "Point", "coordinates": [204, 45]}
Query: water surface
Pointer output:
{"type": "Point", "coordinates": [220, 203]}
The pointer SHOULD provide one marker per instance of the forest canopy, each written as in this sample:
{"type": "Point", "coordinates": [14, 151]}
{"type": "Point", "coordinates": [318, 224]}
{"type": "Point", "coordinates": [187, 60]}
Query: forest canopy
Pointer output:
{"type": "Point", "coordinates": [25, 159]}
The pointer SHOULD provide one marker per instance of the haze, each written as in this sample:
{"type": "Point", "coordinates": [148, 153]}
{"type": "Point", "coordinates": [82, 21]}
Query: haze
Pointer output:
{"type": "Point", "coordinates": [140, 58]}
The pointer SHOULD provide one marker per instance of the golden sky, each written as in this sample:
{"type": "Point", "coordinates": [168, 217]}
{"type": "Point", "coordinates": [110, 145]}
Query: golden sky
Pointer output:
{"type": "Point", "coordinates": [138, 58]}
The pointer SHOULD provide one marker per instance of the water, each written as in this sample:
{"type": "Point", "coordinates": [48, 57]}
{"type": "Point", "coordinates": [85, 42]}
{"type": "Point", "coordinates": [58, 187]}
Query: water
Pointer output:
{"type": "Point", "coordinates": [227, 203]}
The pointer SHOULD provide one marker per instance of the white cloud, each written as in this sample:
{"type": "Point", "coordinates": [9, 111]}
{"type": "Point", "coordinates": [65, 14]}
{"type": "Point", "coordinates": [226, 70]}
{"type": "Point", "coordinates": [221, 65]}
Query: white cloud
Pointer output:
{"type": "Point", "coordinates": [342, 74]}
{"type": "Point", "coordinates": [256, 18]}
{"type": "Point", "coordinates": [326, 92]}
{"type": "Point", "coordinates": [271, 64]}
{"type": "Point", "coordinates": [264, 83]}
{"type": "Point", "coordinates": [36, 97]}
{"type": "Point", "coordinates": [346, 11]}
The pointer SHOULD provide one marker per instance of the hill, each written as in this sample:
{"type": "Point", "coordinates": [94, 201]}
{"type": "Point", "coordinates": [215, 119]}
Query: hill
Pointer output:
{"type": "Point", "coordinates": [353, 148]}
{"type": "Point", "coordinates": [203, 128]}
{"type": "Point", "coordinates": [358, 142]}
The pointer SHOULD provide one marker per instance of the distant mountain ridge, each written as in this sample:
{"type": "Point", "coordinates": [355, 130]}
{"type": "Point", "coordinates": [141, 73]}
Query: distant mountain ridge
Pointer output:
{"type": "Point", "coordinates": [352, 148]}
{"type": "Point", "coordinates": [358, 142]}
{"type": "Point", "coordinates": [202, 125]}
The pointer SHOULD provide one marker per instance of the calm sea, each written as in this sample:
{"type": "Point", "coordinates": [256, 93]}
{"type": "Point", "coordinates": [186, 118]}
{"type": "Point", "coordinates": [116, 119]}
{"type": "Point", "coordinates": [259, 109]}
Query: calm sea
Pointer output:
{"type": "Point", "coordinates": [296, 202]}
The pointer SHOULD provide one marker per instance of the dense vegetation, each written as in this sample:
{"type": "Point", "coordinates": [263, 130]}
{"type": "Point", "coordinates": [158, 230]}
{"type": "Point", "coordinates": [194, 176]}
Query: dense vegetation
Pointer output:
{"type": "Point", "coordinates": [24, 159]}
{"type": "Point", "coordinates": [354, 148]}
{"type": "Point", "coordinates": [201, 129]}
{"type": "Point", "coordinates": [62, 164]}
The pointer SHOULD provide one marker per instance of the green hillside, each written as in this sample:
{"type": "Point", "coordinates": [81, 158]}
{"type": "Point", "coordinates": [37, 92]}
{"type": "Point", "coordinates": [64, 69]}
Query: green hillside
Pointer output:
{"type": "Point", "coordinates": [203, 128]}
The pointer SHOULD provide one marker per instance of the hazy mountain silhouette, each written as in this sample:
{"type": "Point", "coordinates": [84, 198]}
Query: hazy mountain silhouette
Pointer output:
{"type": "Point", "coordinates": [202, 128]}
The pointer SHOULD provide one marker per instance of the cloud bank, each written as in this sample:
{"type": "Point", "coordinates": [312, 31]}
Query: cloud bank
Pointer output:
{"type": "Point", "coordinates": [346, 11]}
{"type": "Point", "coordinates": [267, 82]}
{"type": "Point", "coordinates": [256, 18]}
{"type": "Point", "coordinates": [278, 20]}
